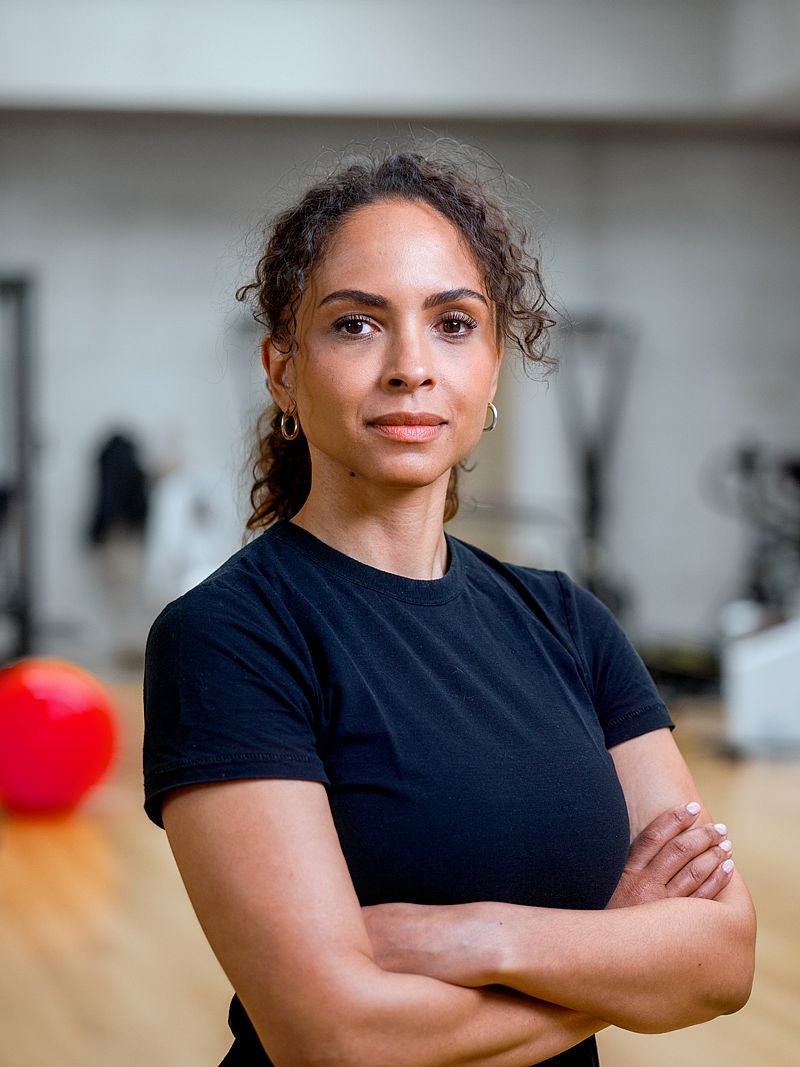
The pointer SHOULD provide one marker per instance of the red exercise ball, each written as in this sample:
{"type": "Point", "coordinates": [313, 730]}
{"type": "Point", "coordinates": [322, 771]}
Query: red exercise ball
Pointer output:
{"type": "Point", "coordinates": [58, 734]}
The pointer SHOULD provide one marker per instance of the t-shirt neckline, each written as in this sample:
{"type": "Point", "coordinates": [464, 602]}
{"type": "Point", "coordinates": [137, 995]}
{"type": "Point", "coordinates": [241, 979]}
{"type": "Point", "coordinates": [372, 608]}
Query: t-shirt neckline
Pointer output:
{"type": "Point", "coordinates": [411, 590]}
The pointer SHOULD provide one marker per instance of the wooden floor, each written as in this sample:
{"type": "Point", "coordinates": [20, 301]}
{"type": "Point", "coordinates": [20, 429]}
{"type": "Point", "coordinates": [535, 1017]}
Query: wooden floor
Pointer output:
{"type": "Point", "coordinates": [102, 963]}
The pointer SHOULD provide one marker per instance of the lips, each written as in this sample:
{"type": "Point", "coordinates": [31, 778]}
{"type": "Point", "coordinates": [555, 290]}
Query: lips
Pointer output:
{"type": "Point", "coordinates": [408, 418]}
{"type": "Point", "coordinates": [408, 426]}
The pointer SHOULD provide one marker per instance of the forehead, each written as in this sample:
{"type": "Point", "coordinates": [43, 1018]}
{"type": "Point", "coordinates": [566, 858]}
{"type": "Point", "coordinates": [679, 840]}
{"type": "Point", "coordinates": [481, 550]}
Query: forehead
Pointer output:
{"type": "Point", "coordinates": [400, 238]}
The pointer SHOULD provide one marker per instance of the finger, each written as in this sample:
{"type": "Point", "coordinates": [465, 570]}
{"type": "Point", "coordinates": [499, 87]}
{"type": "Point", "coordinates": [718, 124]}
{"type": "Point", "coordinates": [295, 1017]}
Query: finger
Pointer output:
{"type": "Point", "coordinates": [662, 829]}
{"type": "Point", "coordinates": [716, 882]}
{"type": "Point", "coordinates": [684, 848]}
{"type": "Point", "coordinates": [698, 870]}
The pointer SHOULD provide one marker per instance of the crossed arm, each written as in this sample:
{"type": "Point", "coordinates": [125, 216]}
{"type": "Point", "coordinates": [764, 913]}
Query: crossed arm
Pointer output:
{"type": "Point", "coordinates": [327, 983]}
{"type": "Point", "coordinates": [674, 947]}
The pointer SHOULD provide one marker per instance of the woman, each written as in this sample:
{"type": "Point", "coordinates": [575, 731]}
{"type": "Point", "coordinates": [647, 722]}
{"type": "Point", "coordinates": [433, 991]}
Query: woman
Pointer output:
{"type": "Point", "coordinates": [400, 778]}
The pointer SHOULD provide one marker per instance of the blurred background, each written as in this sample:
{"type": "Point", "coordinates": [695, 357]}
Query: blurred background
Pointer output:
{"type": "Point", "coordinates": [656, 146]}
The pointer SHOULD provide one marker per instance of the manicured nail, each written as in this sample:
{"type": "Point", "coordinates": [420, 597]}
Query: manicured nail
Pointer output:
{"type": "Point", "coordinates": [721, 828]}
{"type": "Point", "coordinates": [727, 866]}
{"type": "Point", "coordinates": [693, 808]}
{"type": "Point", "coordinates": [726, 846]}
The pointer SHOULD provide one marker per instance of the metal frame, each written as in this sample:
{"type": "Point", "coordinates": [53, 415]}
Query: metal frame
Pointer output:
{"type": "Point", "coordinates": [15, 295]}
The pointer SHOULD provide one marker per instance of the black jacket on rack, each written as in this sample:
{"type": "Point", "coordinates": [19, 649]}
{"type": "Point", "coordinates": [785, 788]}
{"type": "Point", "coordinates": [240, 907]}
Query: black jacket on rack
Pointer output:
{"type": "Point", "coordinates": [122, 490]}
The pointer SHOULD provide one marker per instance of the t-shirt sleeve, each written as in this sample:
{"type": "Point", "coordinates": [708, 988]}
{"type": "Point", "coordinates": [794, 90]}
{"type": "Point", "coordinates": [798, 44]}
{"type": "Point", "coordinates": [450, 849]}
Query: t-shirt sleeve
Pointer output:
{"type": "Point", "coordinates": [625, 696]}
{"type": "Point", "coordinates": [227, 695]}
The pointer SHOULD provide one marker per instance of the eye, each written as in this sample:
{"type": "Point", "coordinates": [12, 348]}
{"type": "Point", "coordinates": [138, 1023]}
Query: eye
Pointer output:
{"type": "Point", "coordinates": [352, 325]}
{"type": "Point", "coordinates": [457, 324]}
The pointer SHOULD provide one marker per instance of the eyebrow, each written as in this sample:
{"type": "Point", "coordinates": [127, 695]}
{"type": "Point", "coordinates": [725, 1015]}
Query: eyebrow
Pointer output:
{"type": "Point", "coordinates": [358, 296]}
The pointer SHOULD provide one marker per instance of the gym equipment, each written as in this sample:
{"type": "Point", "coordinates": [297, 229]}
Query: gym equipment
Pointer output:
{"type": "Point", "coordinates": [761, 486]}
{"type": "Point", "coordinates": [594, 376]}
{"type": "Point", "coordinates": [760, 629]}
{"type": "Point", "coordinates": [58, 734]}
{"type": "Point", "coordinates": [17, 624]}
{"type": "Point", "coordinates": [761, 691]}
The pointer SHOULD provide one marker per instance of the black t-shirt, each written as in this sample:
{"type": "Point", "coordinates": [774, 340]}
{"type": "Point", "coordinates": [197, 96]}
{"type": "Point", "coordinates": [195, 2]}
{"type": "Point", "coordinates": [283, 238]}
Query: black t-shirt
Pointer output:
{"type": "Point", "coordinates": [461, 726]}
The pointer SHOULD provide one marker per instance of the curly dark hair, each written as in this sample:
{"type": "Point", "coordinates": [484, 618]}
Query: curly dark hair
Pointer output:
{"type": "Point", "coordinates": [298, 238]}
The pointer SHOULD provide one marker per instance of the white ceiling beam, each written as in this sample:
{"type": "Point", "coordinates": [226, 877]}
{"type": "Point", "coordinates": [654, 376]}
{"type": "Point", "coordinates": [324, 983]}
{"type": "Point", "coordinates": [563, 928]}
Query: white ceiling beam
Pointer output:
{"type": "Point", "coordinates": [537, 59]}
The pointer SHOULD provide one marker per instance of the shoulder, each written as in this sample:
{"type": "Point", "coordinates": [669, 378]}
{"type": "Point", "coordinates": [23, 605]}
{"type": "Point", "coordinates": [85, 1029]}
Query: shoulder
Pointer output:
{"type": "Point", "coordinates": [249, 588]}
{"type": "Point", "coordinates": [625, 697]}
{"type": "Point", "coordinates": [240, 625]}
{"type": "Point", "coordinates": [554, 590]}
{"type": "Point", "coordinates": [229, 687]}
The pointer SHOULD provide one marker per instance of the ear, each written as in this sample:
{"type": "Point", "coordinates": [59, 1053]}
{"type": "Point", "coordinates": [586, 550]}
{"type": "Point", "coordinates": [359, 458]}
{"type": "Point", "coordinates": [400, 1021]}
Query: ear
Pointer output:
{"type": "Point", "coordinates": [280, 370]}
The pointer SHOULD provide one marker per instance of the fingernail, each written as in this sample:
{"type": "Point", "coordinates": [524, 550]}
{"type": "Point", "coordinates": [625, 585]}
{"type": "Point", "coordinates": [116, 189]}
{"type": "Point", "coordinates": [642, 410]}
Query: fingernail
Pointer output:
{"type": "Point", "coordinates": [721, 828]}
{"type": "Point", "coordinates": [726, 846]}
{"type": "Point", "coordinates": [727, 866]}
{"type": "Point", "coordinates": [693, 808]}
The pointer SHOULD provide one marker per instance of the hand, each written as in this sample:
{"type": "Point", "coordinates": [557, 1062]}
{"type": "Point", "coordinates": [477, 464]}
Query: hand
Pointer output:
{"type": "Point", "coordinates": [673, 858]}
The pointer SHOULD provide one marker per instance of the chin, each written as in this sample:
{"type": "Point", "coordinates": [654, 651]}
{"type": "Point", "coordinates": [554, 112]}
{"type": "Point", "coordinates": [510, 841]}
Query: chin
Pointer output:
{"type": "Point", "coordinates": [415, 478]}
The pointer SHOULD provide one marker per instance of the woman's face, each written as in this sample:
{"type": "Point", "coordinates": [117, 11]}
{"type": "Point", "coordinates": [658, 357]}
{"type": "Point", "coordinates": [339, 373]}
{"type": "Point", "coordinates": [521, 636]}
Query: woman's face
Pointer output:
{"type": "Point", "coordinates": [397, 357]}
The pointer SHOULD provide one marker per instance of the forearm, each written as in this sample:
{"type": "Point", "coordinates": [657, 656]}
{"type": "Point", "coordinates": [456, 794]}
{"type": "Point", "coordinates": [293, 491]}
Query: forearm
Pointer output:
{"type": "Point", "coordinates": [416, 1021]}
{"type": "Point", "coordinates": [654, 967]}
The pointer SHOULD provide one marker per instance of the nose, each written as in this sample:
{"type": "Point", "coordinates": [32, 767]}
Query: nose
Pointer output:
{"type": "Point", "coordinates": [409, 366]}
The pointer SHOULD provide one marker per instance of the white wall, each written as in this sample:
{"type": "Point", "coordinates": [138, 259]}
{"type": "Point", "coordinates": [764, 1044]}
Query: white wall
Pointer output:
{"type": "Point", "coordinates": [133, 227]}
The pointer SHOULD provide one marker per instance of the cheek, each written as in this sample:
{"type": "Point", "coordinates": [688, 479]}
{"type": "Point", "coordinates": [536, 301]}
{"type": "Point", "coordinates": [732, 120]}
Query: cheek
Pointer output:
{"type": "Point", "coordinates": [475, 385]}
{"type": "Point", "coordinates": [324, 394]}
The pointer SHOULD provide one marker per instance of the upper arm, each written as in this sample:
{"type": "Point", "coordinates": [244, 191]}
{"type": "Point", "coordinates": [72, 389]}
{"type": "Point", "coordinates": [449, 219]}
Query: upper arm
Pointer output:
{"type": "Point", "coordinates": [262, 865]}
{"type": "Point", "coordinates": [229, 694]}
{"type": "Point", "coordinates": [654, 776]}
{"type": "Point", "coordinates": [625, 698]}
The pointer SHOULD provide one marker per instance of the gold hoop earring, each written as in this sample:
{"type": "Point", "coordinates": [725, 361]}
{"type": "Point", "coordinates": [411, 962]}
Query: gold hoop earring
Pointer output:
{"type": "Point", "coordinates": [289, 435]}
{"type": "Point", "coordinates": [493, 414]}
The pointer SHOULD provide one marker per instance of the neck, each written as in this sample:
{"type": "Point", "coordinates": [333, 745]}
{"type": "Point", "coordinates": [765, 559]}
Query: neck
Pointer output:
{"type": "Point", "coordinates": [399, 531]}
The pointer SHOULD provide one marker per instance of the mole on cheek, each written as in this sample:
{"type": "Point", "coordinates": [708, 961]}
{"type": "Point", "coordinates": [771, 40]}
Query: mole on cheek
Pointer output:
{"type": "Point", "coordinates": [352, 474]}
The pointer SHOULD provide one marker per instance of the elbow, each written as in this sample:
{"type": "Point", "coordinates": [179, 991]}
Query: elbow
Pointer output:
{"type": "Point", "coordinates": [721, 989]}
{"type": "Point", "coordinates": [728, 988]}
{"type": "Point", "coordinates": [332, 1029]}
{"type": "Point", "coordinates": [329, 1056]}
{"type": "Point", "coordinates": [738, 1000]}
{"type": "Point", "coordinates": [343, 1047]}
{"type": "Point", "coordinates": [725, 998]}
{"type": "Point", "coordinates": [735, 992]}
{"type": "Point", "coordinates": [338, 1048]}
{"type": "Point", "coordinates": [705, 1005]}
